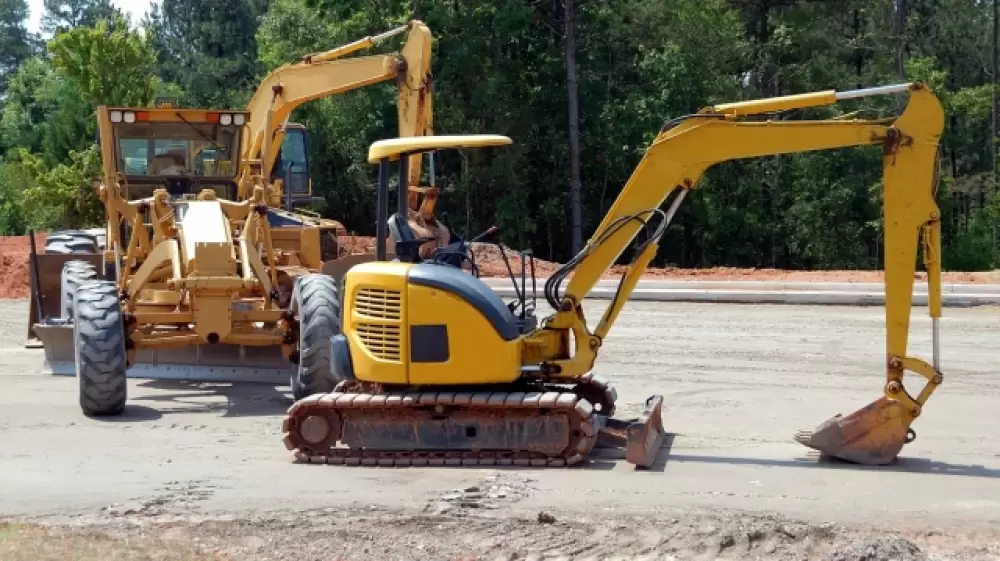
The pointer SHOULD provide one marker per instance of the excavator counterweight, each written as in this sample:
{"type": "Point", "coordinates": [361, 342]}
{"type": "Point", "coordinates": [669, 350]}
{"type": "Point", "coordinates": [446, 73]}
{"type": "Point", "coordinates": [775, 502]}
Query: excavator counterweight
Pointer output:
{"type": "Point", "coordinates": [433, 367]}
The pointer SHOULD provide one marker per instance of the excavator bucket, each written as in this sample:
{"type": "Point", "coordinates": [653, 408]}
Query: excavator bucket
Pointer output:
{"type": "Point", "coordinates": [872, 435]}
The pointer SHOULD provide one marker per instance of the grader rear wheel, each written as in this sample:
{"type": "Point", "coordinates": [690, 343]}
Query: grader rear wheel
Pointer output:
{"type": "Point", "coordinates": [99, 341]}
{"type": "Point", "coordinates": [316, 302]}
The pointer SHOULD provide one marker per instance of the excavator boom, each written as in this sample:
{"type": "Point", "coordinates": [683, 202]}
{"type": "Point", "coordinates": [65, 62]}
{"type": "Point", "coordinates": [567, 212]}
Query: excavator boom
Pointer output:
{"type": "Point", "coordinates": [676, 161]}
{"type": "Point", "coordinates": [323, 74]}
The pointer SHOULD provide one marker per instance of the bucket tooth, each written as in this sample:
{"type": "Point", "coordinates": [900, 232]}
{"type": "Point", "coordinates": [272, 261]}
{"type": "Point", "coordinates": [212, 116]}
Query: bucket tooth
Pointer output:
{"type": "Point", "coordinates": [872, 435]}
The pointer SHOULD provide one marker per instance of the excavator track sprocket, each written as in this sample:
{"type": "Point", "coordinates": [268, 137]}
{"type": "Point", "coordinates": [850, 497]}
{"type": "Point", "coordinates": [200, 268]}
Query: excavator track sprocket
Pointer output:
{"type": "Point", "coordinates": [548, 426]}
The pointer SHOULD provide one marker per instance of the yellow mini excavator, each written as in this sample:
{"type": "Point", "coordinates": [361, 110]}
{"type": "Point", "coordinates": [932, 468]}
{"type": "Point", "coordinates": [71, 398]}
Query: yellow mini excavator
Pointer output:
{"type": "Point", "coordinates": [434, 369]}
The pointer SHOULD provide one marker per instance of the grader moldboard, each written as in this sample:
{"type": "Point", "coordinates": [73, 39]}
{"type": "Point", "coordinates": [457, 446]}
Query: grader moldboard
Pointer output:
{"type": "Point", "coordinates": [189, 283]}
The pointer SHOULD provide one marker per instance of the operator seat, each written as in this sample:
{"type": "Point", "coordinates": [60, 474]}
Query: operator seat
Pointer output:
{"type": "Point", "coordinates": [406, 241]}
{"type": "Point", "coordinates": [408, 245]}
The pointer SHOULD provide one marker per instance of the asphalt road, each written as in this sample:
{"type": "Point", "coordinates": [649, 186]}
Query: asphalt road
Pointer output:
{"type": "Point", "coordinates": [738, 381]}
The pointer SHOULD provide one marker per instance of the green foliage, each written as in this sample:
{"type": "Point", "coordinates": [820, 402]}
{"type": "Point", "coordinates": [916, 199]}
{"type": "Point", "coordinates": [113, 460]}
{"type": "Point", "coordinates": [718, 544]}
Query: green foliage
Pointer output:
{"type": "Point", "coordinates": [207, 48]}
{"type": "Point", "coordinates": [63, 15]}
{"type": "Point", "coordinates": [499, 67]}
{"type": "Point", "coordinates": [60, 196]}
{"type": "Point", "coordinates": [13, 182]}
{"type": "Point", "coordinates": [15, 45]}
{"type": "Point", "coordinates": [110, 63]}
{"type": "Point", "coordinates": [45, 114]}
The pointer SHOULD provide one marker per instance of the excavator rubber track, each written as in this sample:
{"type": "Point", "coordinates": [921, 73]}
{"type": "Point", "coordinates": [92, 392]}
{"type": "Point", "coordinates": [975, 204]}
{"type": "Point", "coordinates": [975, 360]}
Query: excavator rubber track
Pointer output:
{"type": "Point", "coordinates": [544, 426]}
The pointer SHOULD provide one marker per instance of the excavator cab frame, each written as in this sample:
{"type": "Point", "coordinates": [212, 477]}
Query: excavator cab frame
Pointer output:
{"type": "Point", "coordinates": [458, 251]}
{"type": "Point", "coordinates": [293, 168]}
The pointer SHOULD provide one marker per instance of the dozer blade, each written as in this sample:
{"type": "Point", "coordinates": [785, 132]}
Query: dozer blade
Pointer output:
{"type": "Point", "coordinates": [872, 435]}
{"type": "Point", "coordinates": [201, 363]}
{"type": "Point", "coordinates": [645, 436]}
{"type": "Point", "coordinates": [641, 438]}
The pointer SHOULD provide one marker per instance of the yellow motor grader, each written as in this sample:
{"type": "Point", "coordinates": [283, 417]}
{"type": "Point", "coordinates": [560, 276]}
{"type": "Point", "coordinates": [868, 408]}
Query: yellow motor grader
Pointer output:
{"type": "Point", "coordinates": [180, 184]}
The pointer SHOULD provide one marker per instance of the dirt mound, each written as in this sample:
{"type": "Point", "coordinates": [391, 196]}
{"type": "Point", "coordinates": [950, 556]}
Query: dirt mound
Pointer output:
{"type": "Point", "coordinates": [782, 275]}
{"type": "Point", "coordinates": [14, 253]}
{"type": "Point", "coordinates": [890, 548]}
{"type": "Point", "coordinates": [488, 257]}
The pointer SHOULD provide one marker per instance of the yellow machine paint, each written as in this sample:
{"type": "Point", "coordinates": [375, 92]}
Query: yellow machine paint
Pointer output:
{"type": "Point", "coordinates": [473, 392]}
{"type": "Point", "coordinates": [384, 308]}
{"type": "Point", "coordinates": [323, 74]}
{"type": "Point", "coordinates": [234, 240]}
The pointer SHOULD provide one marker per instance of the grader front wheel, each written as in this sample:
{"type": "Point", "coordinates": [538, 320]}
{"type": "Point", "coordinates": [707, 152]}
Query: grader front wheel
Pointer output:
{"type": "Point", "coordinates": [99, 341]}
{"type": "Point", "coordinates": [316, 302]}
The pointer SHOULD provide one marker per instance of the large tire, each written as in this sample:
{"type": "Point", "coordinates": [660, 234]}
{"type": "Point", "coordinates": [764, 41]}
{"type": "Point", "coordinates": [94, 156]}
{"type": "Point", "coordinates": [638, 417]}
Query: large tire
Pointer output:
{"type": "Point", "coordinates": [71, 242]}
{"type": "Point", "coordinates": [100, 236]}
{"type": "Point", "coordinates": [74, 274]}
{"type": "Point", "coordinates": [316, 302]}
{"type": "Point", "coordinates": [99, 341]}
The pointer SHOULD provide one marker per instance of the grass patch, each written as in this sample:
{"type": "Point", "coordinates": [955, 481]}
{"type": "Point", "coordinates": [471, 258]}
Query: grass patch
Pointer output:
{"type": "Point", "coordinates": [29, 542]}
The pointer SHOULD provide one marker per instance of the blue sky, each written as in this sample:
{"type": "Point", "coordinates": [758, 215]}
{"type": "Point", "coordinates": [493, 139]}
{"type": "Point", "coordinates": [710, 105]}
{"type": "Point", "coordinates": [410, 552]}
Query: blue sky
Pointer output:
{"type": "Point", "coordinates": [134, 9]}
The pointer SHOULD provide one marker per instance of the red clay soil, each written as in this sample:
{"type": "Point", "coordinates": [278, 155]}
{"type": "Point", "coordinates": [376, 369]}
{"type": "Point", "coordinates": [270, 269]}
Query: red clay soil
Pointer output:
{"type": "Point", "coordinates": [491, 264]}
{"type": "Point", "coordinates": [14, 251]}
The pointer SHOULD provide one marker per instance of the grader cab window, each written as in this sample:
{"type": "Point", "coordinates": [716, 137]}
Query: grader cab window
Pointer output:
{"type": "Point", "coordinates": [172, 149]}
{"type": "Point", "coordinates": [179, 152]}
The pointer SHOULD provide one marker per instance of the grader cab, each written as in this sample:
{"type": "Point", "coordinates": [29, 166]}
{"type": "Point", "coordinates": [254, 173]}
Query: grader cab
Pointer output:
{"type": "Point", "coordinates": [185, 281]}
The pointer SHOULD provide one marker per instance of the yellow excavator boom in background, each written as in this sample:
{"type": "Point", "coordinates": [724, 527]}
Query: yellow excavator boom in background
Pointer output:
{"type": "Point", "coordinates": [435, 369]}
{"type": "Point", "coordinates": [324, 74]}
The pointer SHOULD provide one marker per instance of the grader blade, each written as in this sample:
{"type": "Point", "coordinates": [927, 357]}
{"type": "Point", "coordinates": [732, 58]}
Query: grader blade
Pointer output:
{"type": "Point", "coordinates": [872, 435]}
{"type": "Point", "coordinates": [198, 363]}
{"type": "Point", "coordinates": [57, 343]}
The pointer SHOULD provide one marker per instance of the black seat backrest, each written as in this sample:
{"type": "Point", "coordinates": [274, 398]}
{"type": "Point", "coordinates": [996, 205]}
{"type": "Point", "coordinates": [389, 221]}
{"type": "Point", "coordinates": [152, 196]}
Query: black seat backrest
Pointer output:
{"type": "Point", "coordinates": [407, 251]}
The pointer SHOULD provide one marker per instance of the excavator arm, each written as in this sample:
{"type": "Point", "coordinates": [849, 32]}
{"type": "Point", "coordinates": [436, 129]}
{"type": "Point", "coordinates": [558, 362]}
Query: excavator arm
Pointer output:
{"type": "Point", "coordinates": [674, 163]}
{"type": "Point", "coordinates": [323, 74]}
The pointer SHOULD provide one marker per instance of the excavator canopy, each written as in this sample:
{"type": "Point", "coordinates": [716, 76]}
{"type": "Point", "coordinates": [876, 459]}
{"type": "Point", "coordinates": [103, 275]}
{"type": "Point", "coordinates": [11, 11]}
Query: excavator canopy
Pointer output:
{"type": "Point", "coordinates": [393, 148]}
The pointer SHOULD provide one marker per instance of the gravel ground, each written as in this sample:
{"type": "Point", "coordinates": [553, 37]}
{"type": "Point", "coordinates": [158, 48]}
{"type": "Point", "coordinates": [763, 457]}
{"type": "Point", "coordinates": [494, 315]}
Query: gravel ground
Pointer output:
{"type": "Point", "coordinates": [205, 461]}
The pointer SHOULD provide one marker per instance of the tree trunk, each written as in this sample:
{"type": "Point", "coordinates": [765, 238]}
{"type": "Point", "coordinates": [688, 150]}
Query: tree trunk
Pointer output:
{"type": "Point", "coordinates": [899, 30]}
{"type": "Point", "coordinates": [996, 95]}
{"type": "Point", "coordinates": [574, 130]}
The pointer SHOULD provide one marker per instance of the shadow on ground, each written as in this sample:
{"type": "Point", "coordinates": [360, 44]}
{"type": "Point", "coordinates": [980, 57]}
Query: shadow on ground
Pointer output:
{"type": "Point", "coordinates": [821, 461]}
{"type": "Point", "coordinates": [231, 399]}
